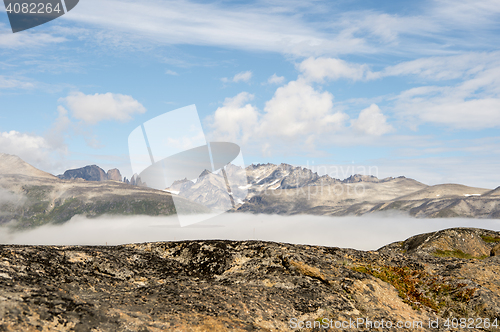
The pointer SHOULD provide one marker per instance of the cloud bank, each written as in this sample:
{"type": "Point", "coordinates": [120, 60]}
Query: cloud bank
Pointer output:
{"type": "Point", "coordinates": [100, 107]}
{"type": "Point", "coordinates": [364, 233]}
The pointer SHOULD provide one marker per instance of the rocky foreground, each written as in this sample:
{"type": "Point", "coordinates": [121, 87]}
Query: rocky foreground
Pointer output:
{"type": "Point", "coordinates": [251, 285]}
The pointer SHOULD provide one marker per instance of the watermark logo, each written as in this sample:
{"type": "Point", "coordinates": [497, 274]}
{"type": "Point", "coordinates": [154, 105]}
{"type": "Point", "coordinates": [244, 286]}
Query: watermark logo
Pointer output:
{"type": "Point", "coordinates": [26, 14]}
{"type": "Point", "coordinates": [170, 153]}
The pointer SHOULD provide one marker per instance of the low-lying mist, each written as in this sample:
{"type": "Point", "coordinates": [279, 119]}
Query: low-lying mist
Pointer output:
{"type": "Point", "coordinates": [365, 233]}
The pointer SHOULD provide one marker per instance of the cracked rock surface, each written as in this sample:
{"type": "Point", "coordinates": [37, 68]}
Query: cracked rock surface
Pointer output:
{"type": "Point", "coordinates": [245, 285]}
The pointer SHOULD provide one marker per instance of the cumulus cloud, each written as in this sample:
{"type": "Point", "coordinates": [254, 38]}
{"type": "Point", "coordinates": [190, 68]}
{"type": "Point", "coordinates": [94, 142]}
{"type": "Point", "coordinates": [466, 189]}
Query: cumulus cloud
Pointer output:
{"type": "Point", "coordinates": [296, 113]}
{"type": "Point", "coordinates": [244, 76]}
{"type": "Point", "coordinates": [371, 121]}
{"type": "Point", "coordinates": [275, 79]}
{"type": "Point", "coordinates": [236, 119]}
{"type": "Point", "coordinates": [319, 69]}
{"type": "Point", "coordinates": [100, 107]}
{"type": "Point", "coordinates": [297, 110]}
{"type": "Point", "coordinates": [35, 150]}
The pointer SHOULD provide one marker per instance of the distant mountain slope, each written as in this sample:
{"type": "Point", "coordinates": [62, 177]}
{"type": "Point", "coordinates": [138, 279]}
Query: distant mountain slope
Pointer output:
{"type": "Point", "coordinates": [446, 200]}
{"type": "Point", "coordinates": [444, 190]}
{"type": "Point", "coordinates": [10, 164]}
{"type": "Point", "coordinates": [494, 192]}
{"type": "Point", "coordinates": [33, 198]}
{"type": "Point", "coordinates": [285, 189]}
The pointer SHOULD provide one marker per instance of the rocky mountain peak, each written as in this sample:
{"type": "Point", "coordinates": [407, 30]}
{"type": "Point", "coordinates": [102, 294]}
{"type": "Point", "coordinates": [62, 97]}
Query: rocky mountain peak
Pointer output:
{"type": "Point", "coordinates": [461, 242]}
{"type": "Point", "coordinates": [361, 178]}
{"type": "Point", "coordinates": [205, 173]}
{"type": "Point", "coordinates": [13, 165]}
{"type": "Point", "coordinates": [114, 174]}
{"type": "Point", "coordinates": [88, 173]}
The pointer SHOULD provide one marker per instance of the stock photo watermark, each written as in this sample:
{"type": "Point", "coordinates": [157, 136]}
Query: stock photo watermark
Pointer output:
{"type": "Point", "coordinates": [171, 149]}
{"type": "Point", "coordinates": [27, 14]}
{"type": "Point", "coordinates": [365, 323]}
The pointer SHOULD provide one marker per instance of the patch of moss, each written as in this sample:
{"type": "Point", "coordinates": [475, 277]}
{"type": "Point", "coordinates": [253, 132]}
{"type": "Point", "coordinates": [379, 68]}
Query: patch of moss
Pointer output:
{"type": "Point", "coordinates": [456, 254]}
{"type": "Point", "coordinates": [418, 289]}
{"type": "Point", "coordinates": [490, 239]}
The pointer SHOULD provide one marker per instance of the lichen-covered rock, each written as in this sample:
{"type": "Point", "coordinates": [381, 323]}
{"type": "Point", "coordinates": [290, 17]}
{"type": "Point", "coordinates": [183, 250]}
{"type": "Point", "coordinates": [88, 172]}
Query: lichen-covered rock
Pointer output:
{"type": "Point", "coordinates": [495, 251]}
{"type": "Point", "coordinates": [454, 242]}
{"type": "Point", "coordinates": [236, 286]}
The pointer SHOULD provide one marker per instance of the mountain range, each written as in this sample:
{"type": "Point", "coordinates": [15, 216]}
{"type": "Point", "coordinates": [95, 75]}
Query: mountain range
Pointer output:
{"type": "Point", "coordinates": [288, 190]}
{"type": "Point", "coordinates": [33, 197]}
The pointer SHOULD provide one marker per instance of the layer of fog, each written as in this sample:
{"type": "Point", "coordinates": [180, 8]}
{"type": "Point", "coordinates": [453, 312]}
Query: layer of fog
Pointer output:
{"type": "Point", "coordinates": [366, 233]}
{"type": "Point", "coordinates": [7, 197]}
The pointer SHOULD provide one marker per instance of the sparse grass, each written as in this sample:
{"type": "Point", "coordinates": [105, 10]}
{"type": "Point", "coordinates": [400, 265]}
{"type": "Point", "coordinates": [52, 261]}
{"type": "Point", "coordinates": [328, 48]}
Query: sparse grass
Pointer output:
{"type": "Point", "coordinates": [418, 288]}
{"type": "Point", "coordinates": [490, 239]}
{"type": "Point", "coordinates": [456, 254]}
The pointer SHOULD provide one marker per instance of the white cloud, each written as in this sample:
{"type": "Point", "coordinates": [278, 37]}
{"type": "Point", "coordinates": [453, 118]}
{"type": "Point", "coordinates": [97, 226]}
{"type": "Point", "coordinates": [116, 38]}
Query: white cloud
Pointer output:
{"type": "Point", "coordinates": [362, 233]}
{"type": "Point", "coordinates": [473, 103]}
{"type": "Point", "coordinates": [461, 114]}
{"type": "Point", "coordinates": [244, 76]}
{"type": "Point", "coordinates": [9, 40]}
{"type": "Point", "coordinates": [275, 79]}
{"type": "Point", "coordinates": [442, 67]}
{"type": "Point", "coordinates": [14, 83]}
{"type": "Point", "coordinates": [319, 69]}
{"type": "Point", "coordinates": [55, 136]}
{"type": "Point", "coordinates": [33, 149]}
{"type": "Point", "coordinates": [468, 13]}
{"type": "Point", "coordinates": [171, 72]}
{"type": "Point", "coordinates": [236, 119]}
{"type": "Point", "coordinates": [431, 27]}
{"type": "Point", "coordinates": [261, 26]}
{"type": "Point", "coordinates": [100, 107]}
{"type": "Point", "coordinates": [8, 197]}
{"type": "Point", "coordinates": [371, 121]}
{"type": "Point", "coordinates": [297, 110]}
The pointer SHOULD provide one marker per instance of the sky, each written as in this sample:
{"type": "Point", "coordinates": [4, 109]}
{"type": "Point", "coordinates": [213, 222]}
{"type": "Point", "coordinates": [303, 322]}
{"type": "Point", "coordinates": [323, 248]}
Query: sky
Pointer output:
{"type": "Point", "coordinates": [397, 87]}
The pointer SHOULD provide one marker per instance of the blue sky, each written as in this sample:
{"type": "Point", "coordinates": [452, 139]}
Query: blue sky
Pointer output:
{"type": "Point", "coordinates": [408, 88]}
